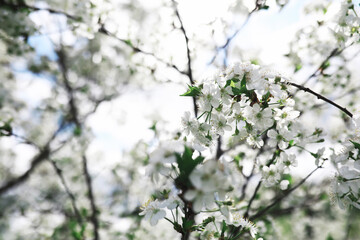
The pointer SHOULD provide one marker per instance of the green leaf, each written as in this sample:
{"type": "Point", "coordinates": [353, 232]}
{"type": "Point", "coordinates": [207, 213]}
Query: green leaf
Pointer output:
{"type": "Point", "coordinates": [192, 92]}
{"type": "Point", "coordinates": [6, 129]}
{"type": "Point", "coordinates": [128, 42]}
{"type": "Point", "coordinates": [236, 90]}
{"type": "Point", "coordinates": [325, 65]}
{"type": "Point", "coordinates": [186, 165]}
{"type": "Point", "coordinates": [265, 7]}
{"type": "Point", "coordinates": [177, 227]}
{"type": "Point", "coordinates": [77, 131]}
{"type": "Point", "coordinates": [356, 145]}
{"type": "Point", "coordinates": [153, 127]}
{"type": "Point", "coordinates": [298, 66]}
{"type": "Point", "coordinates": [288, 177]}
{"type": "Point", "coordinates": [207, 221]}
{"type": "Point", "coordinates": [236, 131]}
{"type": "Point", "coordinates": [329, 237]}
{"type": "Point", "coordinates": [224, 227]}
{"type": "Point", "coordinates": [265, 99]}
{"type": "Point", "coordinates": [74, 232]}
{"type": "Point", "coordinates": [187, 224]}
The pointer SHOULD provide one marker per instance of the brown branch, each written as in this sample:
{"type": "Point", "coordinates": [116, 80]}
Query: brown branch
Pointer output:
{"type": "Point", "coordinates": [350, 91]}
{"type": "Point", "coordinates": [42, 155]}
{"type": "Point", "coordinates": [244, 187]}
{"type": "Point", "coordinates": [322, 98]}
{"type": "Point", "coordinates": [73, 107]}
{"type": "Point", "coordinates": [94, 212]}
{"type": "Point", "coordinates": [280, 198]}
{"type": "Point", "coordinates": [252, 199]}
{"type": "Point", "coordinates": [67, 190]}
{"type": "Point", "coordinates": [188, 54]}
{"type": "Point", "coordinates": [104, 31]}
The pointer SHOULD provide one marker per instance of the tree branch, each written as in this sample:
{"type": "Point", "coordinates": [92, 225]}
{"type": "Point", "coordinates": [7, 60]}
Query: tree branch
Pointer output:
{"type": "Point", "coordinates": [188, 54]}
{"type": "Point", "coordinates": [104, 31]}
{"type": "Point", "coordinates": [67, 190]}
{"type": "Point", "coordinates": [94, 213]}
{"type": "Point", "coordinates": [280, 198]}
{"type": "Point", "coordinates": [225, 46]}
{"type": "Point", "coordinates": [42, 155]}
{"type": "Point", "coordinates": [347, 112]}
{"type": "Point", "coordinates": [73, 108]}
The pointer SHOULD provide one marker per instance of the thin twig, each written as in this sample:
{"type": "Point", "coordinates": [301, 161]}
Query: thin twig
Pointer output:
{"type": "Point", "coordinates": [94, 212]}
{"type": "Point", "coordinates": [73, 108]}
{"type": "Point", "coordinates": [244, 187]}
{"type": "Point", "coordinates": [67, 190]}
{"type": "Point", "coordinates": [350, 91]}
{"type": "Point", "coordinates": [252, 199]}
{"type": "Point", "coordinates": [334, 52]}
{"type": "Point", "coordinates": [104, 31]}
{"type": "Point", "coordinates": [225, 46]}
{"type": "Point", "coordinates": [347, 112]}
{"type": "Point", "coordinates": [280, 198]}
{"type": "Point", "coordinates": [188, 54]}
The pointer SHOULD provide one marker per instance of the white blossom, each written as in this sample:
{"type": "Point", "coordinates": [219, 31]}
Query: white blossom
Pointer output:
{"type": "Point", "coordinates": [285, 115]}
{"type": "Point", "coordinates": [153, 211]}
{"type": "Point", "coordinates": [260, 118]}
{"type": "Point", "coordinates": [284, 184]}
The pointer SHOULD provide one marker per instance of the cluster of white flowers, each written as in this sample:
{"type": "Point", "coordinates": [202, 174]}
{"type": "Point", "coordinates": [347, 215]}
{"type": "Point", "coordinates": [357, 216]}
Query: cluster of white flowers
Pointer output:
{"type": "Point", "coordinates": [246, 105]}
{"type": "Point", "coordinates": [246, 100]}
{"type": "Point", "coordinates": [346, 185]}
{"type": "Point", "coordinates": [348, 23]}
{"type": "Point", "coordinates": [272, 173]}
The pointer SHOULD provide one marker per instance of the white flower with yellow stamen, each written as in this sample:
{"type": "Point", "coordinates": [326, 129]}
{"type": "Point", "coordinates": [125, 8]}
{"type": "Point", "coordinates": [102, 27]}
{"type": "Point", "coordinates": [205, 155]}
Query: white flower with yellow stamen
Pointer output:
{"type": "Point", "coordinates": [153, 211]}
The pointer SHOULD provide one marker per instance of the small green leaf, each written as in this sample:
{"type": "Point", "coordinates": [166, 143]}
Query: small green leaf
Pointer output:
{"type": "Point", "coordinates": [325, 65]}
{"type": "Point", "coordinates": [224, 227]}
{"type": "Point", "coordinates": [288, 177]}
{"type": "Point", "coordinates": [298, 66]}
{"type": "Point", "coordinates": [192, 92]}
{"type": "Point", "coordinates": [177, 227]}
{"type": "Point", "coordinates": [329, 237]}
{"type": "Point", "coordinates": [356, 145]}
{"type": "Point", "coordinates": [77, 131]}
{"type": "Point", "coordinates": [186, 165]}
{"type": "Point", "coordinates": [207, 221]}
{"type": "Point", "coordinates": [153, 127]}
{"type": "Point", "coordinates": [187, 224]}
{"type": "Point", "coordinates": [6, 129]}
{"type": "Point", "coordinates": [236, 131]}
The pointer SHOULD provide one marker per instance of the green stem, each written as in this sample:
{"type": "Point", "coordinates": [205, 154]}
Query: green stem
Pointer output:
{"type": "Point", "coordinates": [169, 220]}
{"type": "Point", "coordinates": [201, 115]}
